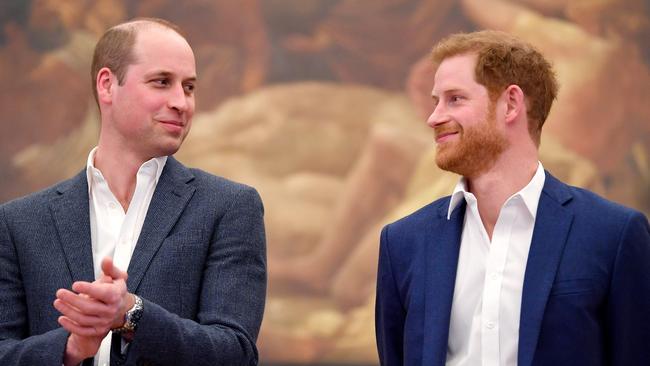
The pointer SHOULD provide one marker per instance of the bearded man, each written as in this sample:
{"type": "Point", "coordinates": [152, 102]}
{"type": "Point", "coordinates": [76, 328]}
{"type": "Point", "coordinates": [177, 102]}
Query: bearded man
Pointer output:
{"type": "Point", "coordinates": [515, 267]}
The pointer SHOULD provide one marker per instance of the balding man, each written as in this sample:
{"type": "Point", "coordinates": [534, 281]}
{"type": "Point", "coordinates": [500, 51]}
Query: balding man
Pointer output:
{"type": "Point", "coordinates": [137, 259]}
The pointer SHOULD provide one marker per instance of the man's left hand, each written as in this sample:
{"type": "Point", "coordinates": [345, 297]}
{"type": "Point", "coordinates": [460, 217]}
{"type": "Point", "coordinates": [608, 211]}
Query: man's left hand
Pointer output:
{"type": "Point", "coordinates": [96, 307]}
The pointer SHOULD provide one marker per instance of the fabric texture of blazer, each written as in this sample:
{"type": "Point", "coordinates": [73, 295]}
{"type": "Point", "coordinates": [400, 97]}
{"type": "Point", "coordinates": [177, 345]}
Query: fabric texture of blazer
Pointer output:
{"type": "Point", "coordinates": [586, 290]}
{"type": "Point", "coordinates": [199, 265]}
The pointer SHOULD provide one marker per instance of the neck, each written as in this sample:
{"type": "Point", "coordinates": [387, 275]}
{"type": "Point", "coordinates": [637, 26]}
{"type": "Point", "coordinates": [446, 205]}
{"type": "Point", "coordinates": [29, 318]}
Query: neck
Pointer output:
{"type": "Point", "coordinates": [511, 172]}
{"type": "Point", "coordinates": [119, 168]}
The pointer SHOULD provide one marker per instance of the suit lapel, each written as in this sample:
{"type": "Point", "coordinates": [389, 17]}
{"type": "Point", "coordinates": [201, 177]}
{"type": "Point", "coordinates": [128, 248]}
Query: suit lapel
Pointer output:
{"type": "Point", "coordinates": [70, 211]}
{"type": "Point", "coordinates": [168, 202]}
{"type": "Point", "coordinates": [441, 262]}
{"type": "Point", "coordinates": [552, 226]}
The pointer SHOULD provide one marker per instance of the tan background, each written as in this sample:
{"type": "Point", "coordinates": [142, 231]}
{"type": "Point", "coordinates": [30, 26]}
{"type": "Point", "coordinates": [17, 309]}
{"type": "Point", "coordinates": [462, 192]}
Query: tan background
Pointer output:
{"type": "Point", "coordinates": [321, 105]}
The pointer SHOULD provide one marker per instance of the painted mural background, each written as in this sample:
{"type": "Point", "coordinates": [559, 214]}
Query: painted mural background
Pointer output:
{"type": "Point", "coordinates": [320, 104]}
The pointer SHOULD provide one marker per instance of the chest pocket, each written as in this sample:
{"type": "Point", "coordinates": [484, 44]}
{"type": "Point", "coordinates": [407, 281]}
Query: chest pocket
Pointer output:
{"type": "Point", "coordinates": [573, 287]}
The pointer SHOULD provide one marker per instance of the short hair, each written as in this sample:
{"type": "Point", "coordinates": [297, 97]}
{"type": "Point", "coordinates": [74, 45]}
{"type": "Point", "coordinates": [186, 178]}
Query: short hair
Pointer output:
{"type": "Point", "coordinates": [504, 60]}
{"type": "Point", "coordinates": [114, 49]}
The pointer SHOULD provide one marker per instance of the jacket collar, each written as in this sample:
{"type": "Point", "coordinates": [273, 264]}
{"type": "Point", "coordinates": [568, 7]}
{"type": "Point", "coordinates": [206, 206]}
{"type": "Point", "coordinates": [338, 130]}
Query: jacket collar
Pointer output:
{"type": "Point", "coordinates": [71, 215]}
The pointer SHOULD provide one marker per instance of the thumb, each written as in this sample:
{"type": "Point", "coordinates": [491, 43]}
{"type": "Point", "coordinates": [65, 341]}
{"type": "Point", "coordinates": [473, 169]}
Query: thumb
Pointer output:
{"type": "Point", "coordinates": [111, 270]}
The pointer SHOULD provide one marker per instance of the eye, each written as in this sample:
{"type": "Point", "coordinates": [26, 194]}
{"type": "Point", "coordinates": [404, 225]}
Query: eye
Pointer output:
{"type": "Point", "coordinates": [163, 82]}
{"type": "Point", "coordinates": [455, 99]}
{"type": "Point", "coordinates": [189, 88]}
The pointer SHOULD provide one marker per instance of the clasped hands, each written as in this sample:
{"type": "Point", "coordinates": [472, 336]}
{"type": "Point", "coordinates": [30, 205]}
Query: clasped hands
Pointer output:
{"type": "Point", "coordinates": [92, 310]}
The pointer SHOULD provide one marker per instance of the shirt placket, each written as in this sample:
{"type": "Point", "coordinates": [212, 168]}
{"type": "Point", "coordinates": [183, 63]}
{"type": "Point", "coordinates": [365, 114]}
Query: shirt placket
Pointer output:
{"type": "Point", "coordinates": [494, 271]}
{"type": "Point", "coordinates": [124, 244]}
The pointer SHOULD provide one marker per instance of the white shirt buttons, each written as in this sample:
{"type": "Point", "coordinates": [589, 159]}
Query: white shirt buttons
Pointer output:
{"type": "Point", "coordinates": [486, 307]}
{"type": "Point", "coordinates": [114, 230]}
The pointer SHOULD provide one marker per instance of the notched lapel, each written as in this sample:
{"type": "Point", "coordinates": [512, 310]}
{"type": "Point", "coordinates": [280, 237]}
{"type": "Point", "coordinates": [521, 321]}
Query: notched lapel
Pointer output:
{"type": "Point", "coordinates": [167, 204]}
{"type": "Point", "coordinates": [441, 262]}
{"type": "Point", "coordinates": [70, 211]}
{"type": "Point", "coordinates": [552, 226]}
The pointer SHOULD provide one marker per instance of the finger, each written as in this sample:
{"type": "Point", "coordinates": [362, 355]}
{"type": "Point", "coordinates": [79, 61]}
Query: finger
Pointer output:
{"type": "Point", "coordinates": [105, 279]}
{"type": "Point", "coordinates": [111, 270]}
{"type": "Point", "coordinates": [109, 293]}
{"type": "Point", "coordinates": [80, 318]}
{"type": "Point", "coordinates": [72, 327]}
{"type": "Point", "coordinates": [85, 304]}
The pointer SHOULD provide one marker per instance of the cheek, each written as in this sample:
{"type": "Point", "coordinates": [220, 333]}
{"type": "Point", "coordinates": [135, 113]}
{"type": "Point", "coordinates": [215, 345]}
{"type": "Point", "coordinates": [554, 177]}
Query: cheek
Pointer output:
{"type": "Point", "coordinates": [191, 103]}
{"type": "Point", "coordinates": [473, 119]}
{"type": "Point", "coordinates": [152, 102]}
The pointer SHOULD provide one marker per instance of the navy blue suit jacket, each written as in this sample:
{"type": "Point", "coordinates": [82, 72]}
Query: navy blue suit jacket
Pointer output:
{"type": "Point", "coordinates": [199, 265]}
{"type": "Point", "coordinates": [586, 291]}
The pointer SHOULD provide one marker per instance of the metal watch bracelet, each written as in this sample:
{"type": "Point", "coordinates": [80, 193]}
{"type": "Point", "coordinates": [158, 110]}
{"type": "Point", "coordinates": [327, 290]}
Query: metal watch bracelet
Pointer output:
{"type": "Point", "coordinates": [132, 317]}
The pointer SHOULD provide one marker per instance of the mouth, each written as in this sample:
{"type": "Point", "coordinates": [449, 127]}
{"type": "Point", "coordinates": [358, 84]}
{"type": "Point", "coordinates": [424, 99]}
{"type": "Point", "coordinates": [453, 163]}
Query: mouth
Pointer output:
{"type": "Point", "coordinates": [172, 122]}
{"type": "Point", "coordinates": [172, 126]}
{"type": "Point", "coordinates": [445, 136]}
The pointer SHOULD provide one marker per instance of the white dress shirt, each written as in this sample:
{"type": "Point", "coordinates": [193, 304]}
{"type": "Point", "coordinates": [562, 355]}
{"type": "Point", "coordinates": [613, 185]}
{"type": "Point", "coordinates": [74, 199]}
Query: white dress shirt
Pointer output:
{"type": "Point", "coordinates": [114, 232]}
{"type": "Point", "coordinates": [484, 326]}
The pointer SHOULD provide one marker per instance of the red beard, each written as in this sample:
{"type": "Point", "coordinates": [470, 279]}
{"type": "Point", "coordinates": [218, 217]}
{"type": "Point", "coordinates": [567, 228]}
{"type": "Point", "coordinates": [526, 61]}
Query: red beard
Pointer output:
{"type": "Point", "coordinates": [475, 149]}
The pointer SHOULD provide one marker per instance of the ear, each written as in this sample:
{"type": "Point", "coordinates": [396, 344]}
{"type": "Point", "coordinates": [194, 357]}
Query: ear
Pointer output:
{"type": "Point", "coordinates": [515, 103]}
{"type": "Point", "coordinates": [106, 82]}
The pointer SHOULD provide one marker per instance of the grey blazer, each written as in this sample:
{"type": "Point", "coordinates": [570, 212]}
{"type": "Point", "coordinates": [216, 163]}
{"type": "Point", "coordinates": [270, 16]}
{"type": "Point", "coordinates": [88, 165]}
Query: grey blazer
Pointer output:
{"type": "Point", "coordinates": [199, 265]}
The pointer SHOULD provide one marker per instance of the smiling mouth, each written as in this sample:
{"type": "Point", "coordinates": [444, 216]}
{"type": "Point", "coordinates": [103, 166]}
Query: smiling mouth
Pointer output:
{"type": "Point", "coordinates": [444, 136]}
{"type": "Point", "coordinates": [175, 123]}
{"type": "Point", "coordinates": [175, 128]}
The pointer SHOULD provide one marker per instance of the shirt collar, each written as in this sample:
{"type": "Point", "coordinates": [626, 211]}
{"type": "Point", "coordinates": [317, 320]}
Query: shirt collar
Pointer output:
{"type": "Point", "coordinates": [457, 196]}
{"type": "Point", "coordinates": [533, 190]}
{"type": "Point", "coordinates": [92, 173]}
{"type": "Point", "coordinates": [529, 194]}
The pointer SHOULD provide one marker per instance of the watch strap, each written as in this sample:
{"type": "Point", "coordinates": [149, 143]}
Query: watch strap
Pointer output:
{"type": "Point", "coordinates": [132, 317]}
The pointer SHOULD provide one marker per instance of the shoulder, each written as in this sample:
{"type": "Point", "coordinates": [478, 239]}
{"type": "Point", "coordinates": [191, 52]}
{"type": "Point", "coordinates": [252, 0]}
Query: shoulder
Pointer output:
{"type": "Point", "coordinates": [33, 203]}
{"type": "Point", "coordinates": [213, 187]}
{"type": "Point", "coordinates": [599, 214]}
{"type": "Point", "coordinates": [409, 233]}
{"type": "Point", "coordinates": [592, 203]}
{"type": "Point", "coordinates": [590, 210]}
{"type": "Point", "coordinates": [225, 189]}
{"type": "Point", "coordinates": [213, 190]}
{"type": "Point", "coordinates": [205, 180]}
{"type": "Point", "coordinates": [436, 210]}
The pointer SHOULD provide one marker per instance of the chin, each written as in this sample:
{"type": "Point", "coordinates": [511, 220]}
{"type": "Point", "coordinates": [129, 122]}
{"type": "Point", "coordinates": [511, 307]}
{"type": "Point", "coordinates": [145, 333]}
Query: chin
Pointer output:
{"type": "Point", "coordinates": [449, 160]}
{"type": "Point", "coordinates": [166, 150]}
{"type": "Point", "coordinates": [171, 146]}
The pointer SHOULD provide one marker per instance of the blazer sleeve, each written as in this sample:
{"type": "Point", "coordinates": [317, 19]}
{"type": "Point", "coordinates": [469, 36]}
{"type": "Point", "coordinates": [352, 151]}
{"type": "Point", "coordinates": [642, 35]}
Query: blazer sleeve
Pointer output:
{"type": "Point", "coordinates": [231, 302]}
{"type": "Point", "coordinates": [16, 349]}
{"type": "Point", "coordinates": [628, 310]}
{"type": "Point", "coordinates": [389, 310]}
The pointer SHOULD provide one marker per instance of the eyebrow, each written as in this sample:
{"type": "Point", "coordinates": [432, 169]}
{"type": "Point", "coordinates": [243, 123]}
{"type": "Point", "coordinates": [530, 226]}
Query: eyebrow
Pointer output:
{"type": "Point", "coordinates": [449, 91]}
{"type": "Point", "coordinates": [168, 74]}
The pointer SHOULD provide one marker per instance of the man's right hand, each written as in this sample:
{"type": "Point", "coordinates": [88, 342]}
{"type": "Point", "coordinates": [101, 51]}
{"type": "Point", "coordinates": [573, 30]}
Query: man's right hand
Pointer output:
{"type": "Point", "coordinates": [86, 331]}
{"type": "Point", "coordinates": [80, 348]}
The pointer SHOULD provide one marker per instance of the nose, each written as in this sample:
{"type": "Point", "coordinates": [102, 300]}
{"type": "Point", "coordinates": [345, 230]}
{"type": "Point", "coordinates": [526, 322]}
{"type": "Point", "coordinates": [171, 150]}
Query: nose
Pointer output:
{"type": "Point", "coordinates": [178, 100]}
{"type": "Point", "coordinates": [438, 116]}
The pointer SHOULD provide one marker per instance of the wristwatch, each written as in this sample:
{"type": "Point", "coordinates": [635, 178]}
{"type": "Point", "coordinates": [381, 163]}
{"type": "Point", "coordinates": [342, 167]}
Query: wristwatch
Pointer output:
{"type": "Point", "coordinates": [132, 317]}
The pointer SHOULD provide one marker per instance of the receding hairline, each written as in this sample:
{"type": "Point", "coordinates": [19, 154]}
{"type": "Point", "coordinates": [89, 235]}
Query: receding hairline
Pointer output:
{"type": "Point", "coordinates": [138, 24]}
{"type": "Point", "coordinates": [116, 48]}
